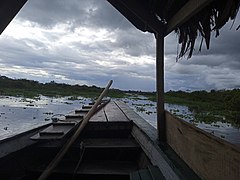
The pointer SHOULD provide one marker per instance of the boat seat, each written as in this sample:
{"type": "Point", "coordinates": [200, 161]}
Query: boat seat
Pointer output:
{"type": "Point", "coordinates": [77, 111]}
{"type": "Point", "coordinates": [74, 116]}
{"type": "Point", "coordinates": [86, 106]}
{"type": "Point", "coordinates": [55, 131]}
{"type": "Point", "coordinates": [150, 173]}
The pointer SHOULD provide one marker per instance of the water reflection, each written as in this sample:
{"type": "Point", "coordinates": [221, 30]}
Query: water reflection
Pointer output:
{"type": "Point", "coordinates": [19, 114]}
{"type": "Point", "coordinates": [147, 109]}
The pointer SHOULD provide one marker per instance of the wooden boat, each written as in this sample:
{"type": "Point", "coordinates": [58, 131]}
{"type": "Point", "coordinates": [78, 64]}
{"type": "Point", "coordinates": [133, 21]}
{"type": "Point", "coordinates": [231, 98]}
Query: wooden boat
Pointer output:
{"type": "Point", "coordinates": [117, 143]}
{"type": "Point", "coordinates": [108, 148]}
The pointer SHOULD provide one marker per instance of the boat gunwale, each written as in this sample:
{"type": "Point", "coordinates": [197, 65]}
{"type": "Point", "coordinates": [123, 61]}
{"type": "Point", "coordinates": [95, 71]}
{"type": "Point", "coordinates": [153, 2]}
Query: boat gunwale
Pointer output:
{"type": "Point", "coordinates": [207, 134]}
{"type": "Point", "coordinates": [15, 136]}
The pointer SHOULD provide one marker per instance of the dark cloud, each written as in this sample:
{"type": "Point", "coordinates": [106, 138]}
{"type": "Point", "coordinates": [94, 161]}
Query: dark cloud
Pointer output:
{"type": "Point", "coordinates": [135, 43]}
{"type": "Point", "coordinates": [216, 68]}
{"type": "Point", "coordinates": [90, 13]}
{"type": "Point", "coordinates": [88, 41]}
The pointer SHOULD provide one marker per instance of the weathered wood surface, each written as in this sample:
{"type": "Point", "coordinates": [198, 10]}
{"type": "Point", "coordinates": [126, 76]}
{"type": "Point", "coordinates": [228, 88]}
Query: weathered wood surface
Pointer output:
{"type": "Point", "coordinates": [110, 113]}
{"type": "Point", "coordinates": [19, 141]}
{"type": "Point", "coordinates": [161, 122]}
{"type": "Point", "coordinates": [86, 106]}
{"type": "Point", "coordinates": [139, 121]}
{"type": "Point", "coordinates": [74, 116]}
{"type": "Point", "coordinates": [145, 174]}
{"type": "Point", "coordinates": [55, 131]}
{"type": "Point", "coordinates": [60, 129]}
{"type": "Point", "coordinates": [210, 157]}
{"type": "Point", "coordinates": [110, 143]}
{"type": "Point", "coordinates": [149, 173]}
{"type": "Point", "coordinates": [135, 176]}
{"type": "Point", "coordinates": [82, 111]}
{"type": "Point", "coordinates": [146, 136]}
{"type": "Point", "coordinates": [154, 153]}
{"type": "Point", "coordinates": [107, 167]}
{"type": "Point", "coordinates": [99, 116]}
{"type": "Point", "coordinates": [45, 174]}
{"type": "Point", "coordinates": [156, 173]}
{"type": "Point", "coordinates": [114, 114]}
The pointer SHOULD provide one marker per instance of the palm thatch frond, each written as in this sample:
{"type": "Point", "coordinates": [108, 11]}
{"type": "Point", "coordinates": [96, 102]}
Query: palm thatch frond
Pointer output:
{"type": "Point", "coordinates": [212, 18]}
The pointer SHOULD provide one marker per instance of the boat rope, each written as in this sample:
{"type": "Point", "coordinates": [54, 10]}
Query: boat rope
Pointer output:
{"type": "Point", "coordinates": [82, 150]}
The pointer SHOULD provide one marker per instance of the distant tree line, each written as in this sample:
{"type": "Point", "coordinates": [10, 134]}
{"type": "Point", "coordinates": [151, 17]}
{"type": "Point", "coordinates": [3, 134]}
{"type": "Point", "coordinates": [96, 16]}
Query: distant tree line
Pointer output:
{"type": "Point", "coordinates": [225, 99]}
{"type": "Point", "coordinates": [222, 102]}
{"type": "Point", "coordinates": [222, 99]}
{"type": "Point", "coordinates": [30, 88]}
{"type": "Point", "coordinates": [9, 86]}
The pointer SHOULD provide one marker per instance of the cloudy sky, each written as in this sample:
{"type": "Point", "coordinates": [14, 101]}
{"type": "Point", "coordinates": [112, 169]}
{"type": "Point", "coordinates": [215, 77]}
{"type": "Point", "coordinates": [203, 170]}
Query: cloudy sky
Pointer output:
{"type": "Point", "coordinates": [89, 42]}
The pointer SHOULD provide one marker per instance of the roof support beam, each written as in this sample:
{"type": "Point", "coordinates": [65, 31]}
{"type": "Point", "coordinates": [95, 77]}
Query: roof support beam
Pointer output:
{"type": "Point", "coordinates": [136, 12]}
{"type": "Point", "coordinates": [190, 9]}
{"type": "Point", "coordinates": [8, 10]}
{"type": "Point", "coordinates": [149, 19]}
{"type": "Point", "coordinates": [161, 121]}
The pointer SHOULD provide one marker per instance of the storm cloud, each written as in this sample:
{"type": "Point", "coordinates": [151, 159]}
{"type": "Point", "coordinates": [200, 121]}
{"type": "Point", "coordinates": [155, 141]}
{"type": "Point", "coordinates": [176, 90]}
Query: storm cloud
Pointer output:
{"type": "Point", "coordinates": [90, 42]}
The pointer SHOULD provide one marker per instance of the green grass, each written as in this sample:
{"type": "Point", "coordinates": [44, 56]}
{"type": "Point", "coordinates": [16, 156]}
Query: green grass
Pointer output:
{"type": "Point", "coordinates": [208, 107]}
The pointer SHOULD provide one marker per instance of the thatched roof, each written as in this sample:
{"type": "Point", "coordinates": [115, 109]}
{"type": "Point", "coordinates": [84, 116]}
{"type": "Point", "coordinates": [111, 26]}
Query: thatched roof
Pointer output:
{"type": "Point", "coordinates": [150, 15]}
{"type": "Point", "coordinates": [212, 18]}
{"type": "Point", "coordinates": [156, 16]}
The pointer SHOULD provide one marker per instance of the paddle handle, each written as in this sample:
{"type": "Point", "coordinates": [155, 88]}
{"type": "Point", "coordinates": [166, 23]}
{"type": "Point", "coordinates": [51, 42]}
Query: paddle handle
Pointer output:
{"type": "Point", "coordinates": [66, 146]}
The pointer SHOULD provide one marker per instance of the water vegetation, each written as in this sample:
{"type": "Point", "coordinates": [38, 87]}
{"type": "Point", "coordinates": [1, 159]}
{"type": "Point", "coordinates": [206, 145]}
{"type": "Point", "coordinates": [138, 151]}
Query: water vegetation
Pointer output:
{"type": "Point", "coordinates": [209, 107]}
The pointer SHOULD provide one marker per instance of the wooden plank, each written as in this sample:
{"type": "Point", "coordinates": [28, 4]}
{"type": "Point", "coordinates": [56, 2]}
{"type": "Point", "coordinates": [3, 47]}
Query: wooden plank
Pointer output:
{"type": "Point", "coordinates": [8, 10]}
{"type": "Point", "coordinates": [139, 121]}
{"type": "Point", "coordinates": [53, 132]}
{"type": "Point", "coordinates": [161, 122]}
{"type": "Point", "coordinates": [209, 156]}
{"type": "Point", "coordinates": [114, 114]}
{"type": "Point", "coordinates": [155, 154]}
{"type": "Point", "coordinates": [135, 176]}
{"type": "Point", "coordinates": [45, 174]}
{"type": "Point", "coordinates": [191, 8]}
{"type": "Point", "coordinates": [82, 111]}
{"type": "Point", "coordinates": [63, 123]}
{"type": "Point", "coordinates": [49, 133]}
{"type": "Point", "coordinates": [156, 173]}
{"type": "Point", "coordinates": [86, 106]}
{"type": "Point", "coordinates": [107, 167]}
{"type": "Point", "coordinates": [74, 116]}
{"type": "Point", "coordinates": [150, 141]}
{"type": "Point", "coordinates": [110, 143]}
{"type": "Point", "coordinates": [145, 174]}
{"type": "Point", "coordinates": [108, 129]}
{"type": "Point", "coordinates": [64, 128]}
{"type": "Point", "coordinates": [19, 141]}
{"type": "Point", "coordinates": [99, 117]}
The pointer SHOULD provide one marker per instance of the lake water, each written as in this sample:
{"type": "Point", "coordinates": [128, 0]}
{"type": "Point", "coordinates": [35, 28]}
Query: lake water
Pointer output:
{"type": "Point", "coordinates": [147, 109]}
{"type": "Point", "coordinates": [18, 114]}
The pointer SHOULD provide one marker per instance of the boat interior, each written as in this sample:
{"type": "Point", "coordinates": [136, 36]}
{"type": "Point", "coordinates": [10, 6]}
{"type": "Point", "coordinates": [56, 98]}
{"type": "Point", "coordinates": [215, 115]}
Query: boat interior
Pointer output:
{"type": "Point", "coordinates": [106, 149]}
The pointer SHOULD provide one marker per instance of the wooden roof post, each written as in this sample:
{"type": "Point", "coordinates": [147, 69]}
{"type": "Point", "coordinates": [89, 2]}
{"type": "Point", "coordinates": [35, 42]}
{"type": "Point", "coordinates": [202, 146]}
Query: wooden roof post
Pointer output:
{"type": "Point", "coordinates": [161, 122]}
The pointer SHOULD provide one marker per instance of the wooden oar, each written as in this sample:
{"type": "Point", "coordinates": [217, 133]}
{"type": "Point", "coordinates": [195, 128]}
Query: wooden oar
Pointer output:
{"type": "Point", "coordinates": [65, 148]}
